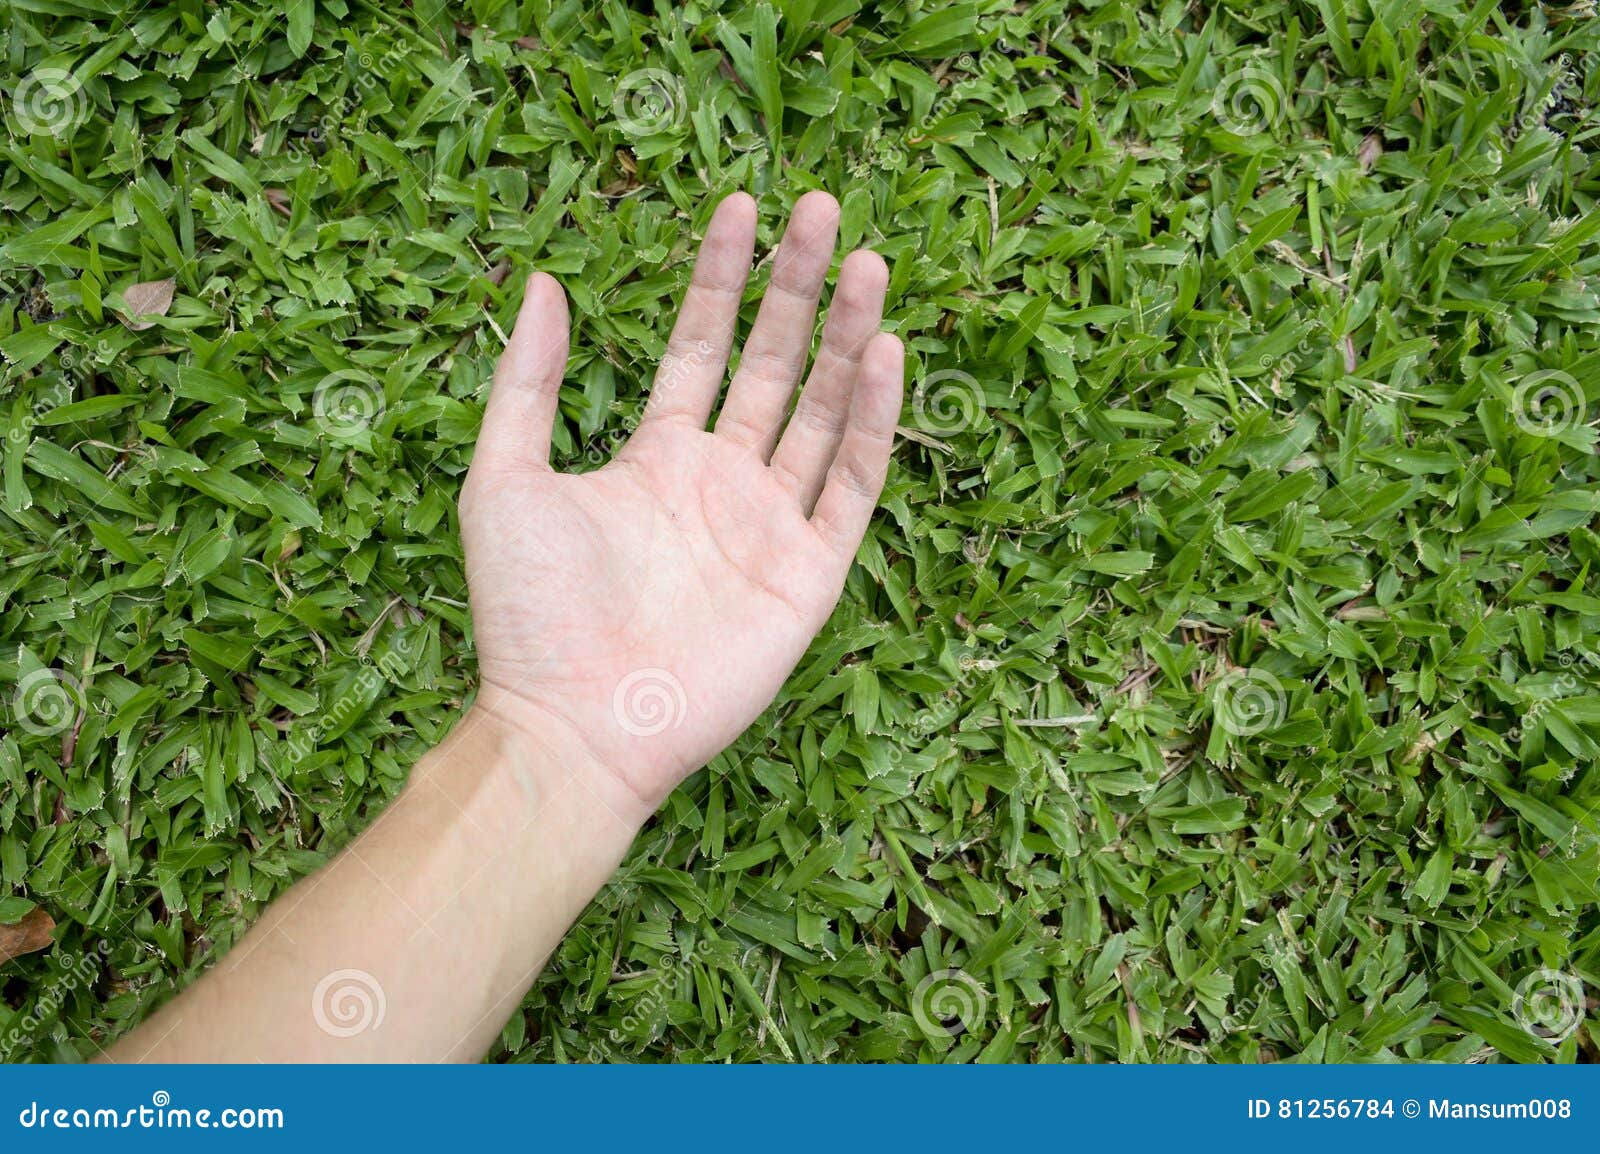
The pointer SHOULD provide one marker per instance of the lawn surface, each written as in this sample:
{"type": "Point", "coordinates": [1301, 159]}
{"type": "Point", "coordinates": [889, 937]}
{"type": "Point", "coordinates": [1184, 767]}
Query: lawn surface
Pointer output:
{"type": "Point", "coordinates": [1219, 682]}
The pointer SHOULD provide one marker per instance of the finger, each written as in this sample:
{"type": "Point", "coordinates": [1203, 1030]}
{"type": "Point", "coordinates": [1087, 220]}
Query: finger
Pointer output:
{"type": "Point", "coordinates": [771, 361]}
{"type": "Point", "coordinates": [690, 375]}
{"type": "Point", "coordinates": [812, 436]}
{"type": "Point", "coordinates": [856, 476]}
{"type": "Point", "coordinates": [527, 380]}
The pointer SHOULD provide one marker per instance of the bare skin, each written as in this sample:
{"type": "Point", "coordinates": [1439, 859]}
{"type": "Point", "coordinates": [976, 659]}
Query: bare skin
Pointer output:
{"type": "Point", "coordinates": [630, 623]}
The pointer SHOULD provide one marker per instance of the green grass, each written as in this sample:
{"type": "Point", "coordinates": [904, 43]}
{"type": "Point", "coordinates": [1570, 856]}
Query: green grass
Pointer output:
{"type": "Point", "coordinates": [1221, 680]}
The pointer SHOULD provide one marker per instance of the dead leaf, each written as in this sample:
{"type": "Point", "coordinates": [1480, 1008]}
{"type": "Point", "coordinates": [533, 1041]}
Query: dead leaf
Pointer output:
{"type": "Point", "coordinates": [497, 277]}
{"type": "Point", "coordinates": [33, 932]}
{"type": "Point", "coordinates": [150, 298]}
{"type": "Point", "coordinates": [279, 200]}
{"type": "Point", "coordinates": [1370, 152]}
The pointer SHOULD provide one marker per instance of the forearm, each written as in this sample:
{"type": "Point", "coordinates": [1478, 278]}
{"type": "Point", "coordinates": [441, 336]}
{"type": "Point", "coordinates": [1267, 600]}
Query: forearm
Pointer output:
{"type": "Point", "coordinates": [438, 916]}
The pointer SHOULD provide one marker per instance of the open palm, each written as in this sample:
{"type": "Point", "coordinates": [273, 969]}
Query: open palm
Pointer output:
{"type": "Point", "coordinates": [652, 609]}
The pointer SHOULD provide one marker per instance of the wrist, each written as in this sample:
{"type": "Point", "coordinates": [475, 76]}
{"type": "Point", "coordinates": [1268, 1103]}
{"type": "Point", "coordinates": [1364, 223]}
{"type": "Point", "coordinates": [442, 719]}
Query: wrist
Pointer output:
{"type": "Point", "coordinates": [537, 758]}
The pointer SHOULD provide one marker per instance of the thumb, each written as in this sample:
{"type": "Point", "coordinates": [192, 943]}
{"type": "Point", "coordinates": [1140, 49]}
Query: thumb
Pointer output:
{"type": "Point", "coordinates": [527, 380]}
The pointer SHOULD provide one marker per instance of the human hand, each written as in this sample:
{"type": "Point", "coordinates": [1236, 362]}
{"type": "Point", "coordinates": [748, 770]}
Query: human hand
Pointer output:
{"type": "Point", "coordinates": [649, 611]}
{"type": "Point", "coordinates": [630, 622]}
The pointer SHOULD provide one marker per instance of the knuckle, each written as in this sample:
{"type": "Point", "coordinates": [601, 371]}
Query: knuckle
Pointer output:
{"type": "Point", "coordinates": [857, 479]}
{"type": "Point", "coordinates": [782, 366]}
{"type": "Point", "coordinates": [742, 428]}
{"type": "Point", "coordinates": [820, 417]}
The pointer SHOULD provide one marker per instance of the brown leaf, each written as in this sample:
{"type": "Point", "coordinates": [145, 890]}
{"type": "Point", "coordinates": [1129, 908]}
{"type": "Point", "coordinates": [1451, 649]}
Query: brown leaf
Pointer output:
{"type": "Point", "coordinates": [33, 932]}
{"type": "Point", "coordinates": [1370, 152]}
{"type": "Point", "coordinates": [279, 200]}
{"type": "Point", "coordinates": [497, 277]}
{"type": "Point", "coordinates": [150, 298]}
